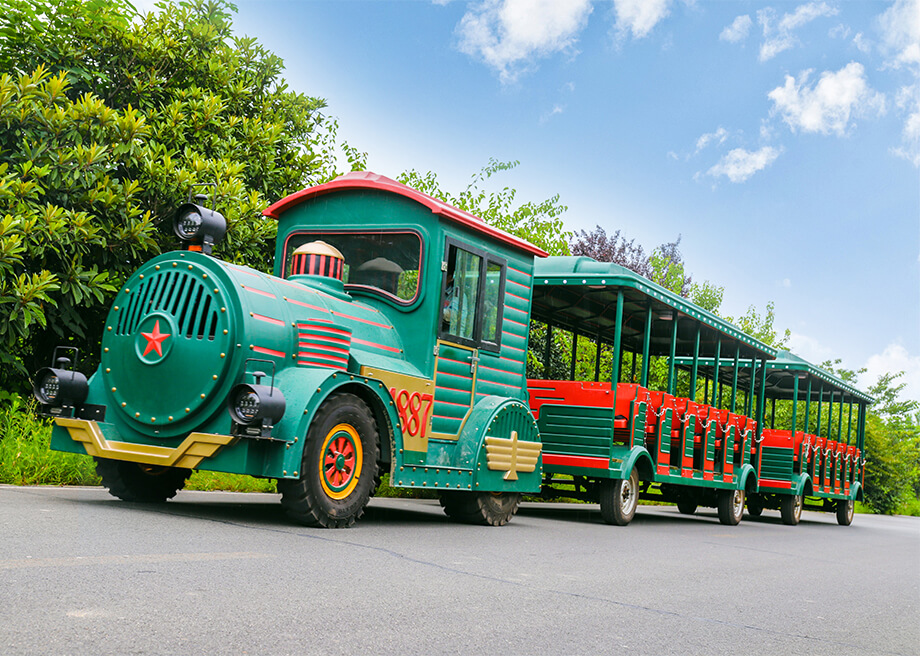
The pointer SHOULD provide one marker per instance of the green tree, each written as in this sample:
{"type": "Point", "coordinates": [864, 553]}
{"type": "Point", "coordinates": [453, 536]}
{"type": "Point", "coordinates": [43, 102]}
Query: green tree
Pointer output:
{"type": "Point", "coordinates": [106, 121]}
{"type": "Point", "coordinates": [540, 223]}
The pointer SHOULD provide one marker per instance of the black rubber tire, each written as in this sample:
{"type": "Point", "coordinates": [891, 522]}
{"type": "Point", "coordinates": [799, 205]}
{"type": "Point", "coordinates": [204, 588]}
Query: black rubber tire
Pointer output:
{"type": "Point", "coordinates": [686, 506]}
{"type": "Point", "coordinates": [307, 500]}
{"type": "Point", "coordinates": [790, 509]}
{"type": "Point", "coordinates": [131, 481]}
{"type": "Point", "coordinates": [755, 505]}
{"type": "Point", "coordinates": [483, 508]}
{"type": "Point", "coordinates": [845, 510]}
{"type": "Point", "coordinates": [731, 506]}
{"type": "Point", "coordinates": [619, 498]}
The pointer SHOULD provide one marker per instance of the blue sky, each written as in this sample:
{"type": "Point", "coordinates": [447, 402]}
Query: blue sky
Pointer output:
{"type": "Point", "coordinates": [780, 139]}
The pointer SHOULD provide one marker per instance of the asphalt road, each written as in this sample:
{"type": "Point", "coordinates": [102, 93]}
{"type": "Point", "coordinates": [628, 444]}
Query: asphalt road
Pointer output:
{"type": "Point", "coordinates": [221, 573]}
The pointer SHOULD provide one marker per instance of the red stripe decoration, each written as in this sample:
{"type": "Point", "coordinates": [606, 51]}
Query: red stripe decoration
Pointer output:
{"type": "Point", "coordinates": [258, 291]}
{"type": "Point", "coordinates": [590, 462]}
{"type": "Point", "coordinates": [268, 351]}
{"type": "Point", "coordinates": [323, 344]}
{"type": "Point", "coordinates": [248, 273]}
{"type": "Point", "coordinates": [271, 320]}
{"type": "Point", "coordinates": [307, 305]}
{"type": "Point", "coordinates": [771, 483]}
{"type": "Point", "coordinates": [367, 321]}
{"type": "Point", "coordinates": [376, 345]}
{"type": "Point", "coordinates": [507, 293]}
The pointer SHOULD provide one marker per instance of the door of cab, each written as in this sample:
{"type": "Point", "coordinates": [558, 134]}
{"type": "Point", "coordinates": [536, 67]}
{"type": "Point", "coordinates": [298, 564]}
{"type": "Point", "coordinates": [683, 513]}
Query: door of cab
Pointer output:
{"type": "Point", "coordinates": [469, 319]}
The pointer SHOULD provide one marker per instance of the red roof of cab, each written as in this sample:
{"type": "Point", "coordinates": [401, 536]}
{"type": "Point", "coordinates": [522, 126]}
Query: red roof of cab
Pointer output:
{"type": "Point", "coordinates": [368, 180]}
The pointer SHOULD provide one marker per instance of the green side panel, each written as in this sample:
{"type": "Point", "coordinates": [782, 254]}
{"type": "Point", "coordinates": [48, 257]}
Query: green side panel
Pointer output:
{"type": "Point", "coordinates": [453, 394]}
{"type": "Point", "coordinates": [776, 464]}
{"type": "Point", "coordinates": [576, 430]}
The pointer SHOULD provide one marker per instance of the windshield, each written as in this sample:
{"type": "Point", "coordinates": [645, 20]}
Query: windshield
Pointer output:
{"type": "Point", "coordinates": [385, 262]}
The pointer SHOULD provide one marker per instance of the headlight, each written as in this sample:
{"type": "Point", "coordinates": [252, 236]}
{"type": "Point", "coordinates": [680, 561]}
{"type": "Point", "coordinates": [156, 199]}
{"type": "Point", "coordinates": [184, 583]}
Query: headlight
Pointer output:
{"type": "Point", "coordinates": [255, 405]}
{"type": "Point", "coordinates": [199, 227]}
{"type": "Point", "coordinates": [188, 225]}
{"type": "Point", "coordinates": [59, 387]}
{"type": "Point", "coordinates": [247, 405]}
{"type": "Point", "coordinates": [49, 388]}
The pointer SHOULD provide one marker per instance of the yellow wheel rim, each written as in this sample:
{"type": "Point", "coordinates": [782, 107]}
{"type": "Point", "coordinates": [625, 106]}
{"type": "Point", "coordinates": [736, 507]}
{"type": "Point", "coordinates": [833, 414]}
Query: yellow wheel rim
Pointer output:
{"type": "Point", "coordinates": [340, 461]}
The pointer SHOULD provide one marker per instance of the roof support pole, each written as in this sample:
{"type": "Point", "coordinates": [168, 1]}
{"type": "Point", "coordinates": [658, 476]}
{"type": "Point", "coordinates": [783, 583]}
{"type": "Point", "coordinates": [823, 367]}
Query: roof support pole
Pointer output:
{"type": "Point", "coordinates": [574, 356]}
{"type": "Point", "coordinates": [672, 384]}
{"type": "Point", "coordinates": [861, 427]}
{"type": "Point", "coordinates": [849, 421]}
{"type": "Point", "coordinates": [617, 342]}
{"type": "Point", "coordinates": [715, 372]}
{"type": "Point", "coordinates": [820, 403]}
{"type": "Point", "coordinates": [597, 358]}
{"type": "Point", "coordinates": [749, 406]}
{"type": "Point", "coordinates": [808, 408]}
{"type": "Point", "coordinates": [696, 364]}
{"type": "Point", "coordinates": [840, 419]}
{"type": "Point", "coordinates": [795, 402]}
{"type": "Point", "coordinates": [646, 343]}
{"type": "Point", "coordinates": [761, 396]}
{"type": "Point", "coordinates": [735, 378]}
{"type": "Point", "coordinates": [830, 417]}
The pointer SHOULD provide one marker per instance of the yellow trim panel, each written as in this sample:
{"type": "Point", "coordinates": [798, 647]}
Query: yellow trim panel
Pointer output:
{"type": "Point", "coordinates": [512, 456]}
{"type": "Point", "coordinates": [195, 448]}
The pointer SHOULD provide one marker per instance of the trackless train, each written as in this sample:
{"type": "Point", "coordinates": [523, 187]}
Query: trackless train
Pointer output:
{"type": "Point", "coordinates": [393, 337]}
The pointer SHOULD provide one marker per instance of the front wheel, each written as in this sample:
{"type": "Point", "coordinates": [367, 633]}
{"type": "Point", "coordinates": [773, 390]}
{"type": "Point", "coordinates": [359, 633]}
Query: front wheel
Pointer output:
{"type": "Point", "coordinates": [845, 510]}
{"type": "Point", "coordinates": [131, 481]}
{"type": "Point", "coordinates": [731, 506]}
{"type": "Point", "coordinates": [339, 466]}
{"type": "Point", "coordinates": [791, 509]}
{"type": "Point", "coordinates": [619, 498]}
{"type": "Point", "coordinates": [484, 508]}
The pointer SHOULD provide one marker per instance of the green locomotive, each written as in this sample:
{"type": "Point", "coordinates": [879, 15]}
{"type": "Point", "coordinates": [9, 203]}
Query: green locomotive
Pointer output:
{"type": "Point", "coordinates": [391, 337]}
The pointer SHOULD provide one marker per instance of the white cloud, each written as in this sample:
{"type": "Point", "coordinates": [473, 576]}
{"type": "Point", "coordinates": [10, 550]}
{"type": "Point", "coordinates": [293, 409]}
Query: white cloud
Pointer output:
{"type": "Point", "coordinates": [893, 359]}
{"type": "Point", "coordinates": [718, 136]}
{"type": "Point", "coordinates": [738, 30]}
{"type": "Point", "coordinates": [900, 25]}
{"type": "Point", "coordinates": [510, 35]}
{"type": "Point", "coordinates": [840, 31]}
{"type": "Point", "coordinates": [908, 101]}
{"type": "Point", "coordinates": [787, 283]}
{"type": "Point", "coordinates": [557, 109]}
{"type": "Point", "coordinates": [861, 43]}
{"type": "Point", "coordinates": [639, 16]}
{"type": "Point", "coordinates": [778, 35]}
{"type": "Point", "coordinates": [739, 164]}
{"type": "Point", "coordinates": [828, 105]}
{"type": "Point", "coordinates": [809, 348]}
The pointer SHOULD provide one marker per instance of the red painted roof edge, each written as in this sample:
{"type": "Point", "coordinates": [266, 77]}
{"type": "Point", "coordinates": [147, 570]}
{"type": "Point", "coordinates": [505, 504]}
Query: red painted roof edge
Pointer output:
{"type": "Point", "coordinates": [368, 180]}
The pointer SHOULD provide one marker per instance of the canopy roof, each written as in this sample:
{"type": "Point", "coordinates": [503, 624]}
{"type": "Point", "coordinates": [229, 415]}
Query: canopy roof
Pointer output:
{"type": "Point", "coordinates": [781, 375]}
{"type": "Point", "coordinates": [580, 294]}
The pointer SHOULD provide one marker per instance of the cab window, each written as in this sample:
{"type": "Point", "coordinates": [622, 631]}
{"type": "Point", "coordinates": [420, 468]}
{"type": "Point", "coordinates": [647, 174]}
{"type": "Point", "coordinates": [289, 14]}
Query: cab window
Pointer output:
{"type": "Point", "coordinates": [471, 298]}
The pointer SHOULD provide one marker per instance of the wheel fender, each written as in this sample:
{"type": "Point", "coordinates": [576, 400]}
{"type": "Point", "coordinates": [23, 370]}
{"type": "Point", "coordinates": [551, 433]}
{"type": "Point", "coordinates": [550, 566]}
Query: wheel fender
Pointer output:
{"type": "Point", "coordinates": [747, 478]}
{"type": "Point", "coordinates": [800, 483]}
{"type": "Point", "coordinates": [856, 491]}
{"type": "Point", "coordinates": [500, 443]}
{"type": "Point", "coordinates": [640, 458]}
{"type": "Point", "coordinates": [305, 390]}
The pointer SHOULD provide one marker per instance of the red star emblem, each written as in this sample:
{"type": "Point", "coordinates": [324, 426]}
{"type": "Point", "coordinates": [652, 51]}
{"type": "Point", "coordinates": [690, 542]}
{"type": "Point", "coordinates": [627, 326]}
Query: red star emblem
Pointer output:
{"type": "Point", "coordinates": [155, 339]}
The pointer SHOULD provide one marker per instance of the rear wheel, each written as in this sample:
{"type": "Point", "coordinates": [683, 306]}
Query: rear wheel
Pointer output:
{"type": "Point", "coordinates": [755, 506]}
{"type": "Point", "coordinates": [339, 466]}
{"type": "Point", "coordinates": [731, 506]}
{"type": "Point", "coordinates": [791, 509]}
{"type": "Point", "coordinates": [484, 508]}
{"type": "Point", "coordinates": [845, 510]}
{"type": "Point", "coordinates": [619, 498]}
{"type": "Point", "coordinates": [132, 481]}
{"type": "Point", "coordinates": [686, 506]}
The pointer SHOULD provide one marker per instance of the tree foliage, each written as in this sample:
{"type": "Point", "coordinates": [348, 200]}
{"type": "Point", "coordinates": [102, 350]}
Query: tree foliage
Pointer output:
{"type": "Point", "coordinates": [540, 223]}
{"type": "Point", "coordinates": [106, 121]}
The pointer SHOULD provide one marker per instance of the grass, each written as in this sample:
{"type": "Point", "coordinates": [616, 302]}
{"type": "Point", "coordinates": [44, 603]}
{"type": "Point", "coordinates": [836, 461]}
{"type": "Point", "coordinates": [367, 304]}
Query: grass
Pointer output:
{"type": "Point", "coordinates": [26, 459]}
